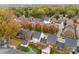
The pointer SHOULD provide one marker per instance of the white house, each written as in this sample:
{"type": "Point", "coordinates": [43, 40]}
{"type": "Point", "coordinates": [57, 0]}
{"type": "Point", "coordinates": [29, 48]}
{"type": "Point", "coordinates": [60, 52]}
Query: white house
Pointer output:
{"type": "Point", "coordinates": [46, 50]}
{"type": "Point", "coordinates": [36, 37]}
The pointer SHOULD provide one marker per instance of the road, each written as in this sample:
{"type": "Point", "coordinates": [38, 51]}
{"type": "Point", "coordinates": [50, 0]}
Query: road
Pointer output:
{"type": "Point", "coordinates": [8, 51]}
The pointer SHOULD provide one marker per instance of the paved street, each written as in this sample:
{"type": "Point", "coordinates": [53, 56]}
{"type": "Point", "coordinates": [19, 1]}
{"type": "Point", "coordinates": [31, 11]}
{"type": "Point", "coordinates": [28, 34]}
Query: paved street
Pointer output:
{"type": "Point", "coordinates": [8, 51]}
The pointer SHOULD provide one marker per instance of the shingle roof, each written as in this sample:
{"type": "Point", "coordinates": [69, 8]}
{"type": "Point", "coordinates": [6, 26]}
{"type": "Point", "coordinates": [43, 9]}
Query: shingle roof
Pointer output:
{"type": "Point", "coordinates": [24, 42]}
{"type": "Point", "coordinates": [52, 38]}
{"type": "Point", "coordinates": [37, 35]}
{"type": "Point", "coordinates": [71, 42]}
{"type": "Point", "coordinates": [60, 45]}
{"type": "Point", "coordinates": [22, 32]}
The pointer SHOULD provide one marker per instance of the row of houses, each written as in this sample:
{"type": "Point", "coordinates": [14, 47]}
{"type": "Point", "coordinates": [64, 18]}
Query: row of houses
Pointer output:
{"type": "Point", "coordinates": [71, 29]}
{"type": "Point", "coordinates": [68, 33]}
{"type": "Point", "coordinates": [46, 25]}
{"type": "Point", "coordinates": [43, 38]}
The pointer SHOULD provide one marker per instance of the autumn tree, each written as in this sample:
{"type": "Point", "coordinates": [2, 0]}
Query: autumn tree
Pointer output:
{"type": "Point", "coordinates": [37, 26]}
{"type": "Point", "coordinates": [52, 28]}
{"type": "Point", "coordinates": [26, 25]}
{"type": "Point", "coordinates": [45, 28]}
{"type": "Point", "coordinates": [8, 26]}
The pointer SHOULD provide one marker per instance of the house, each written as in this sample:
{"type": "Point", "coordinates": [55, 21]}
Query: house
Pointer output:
{"type": "Point", "coordinates": [72, 43]}
{"type": "Point", "coordinates": [69, 22]}
{"type": "Point", "coordinates": [69, 32]}
{"type": "Point", "coordinates": [23, 34]}
{"type": "Point", "coordinates": [31, 19]}
{"type": "Point", "coordinates": [77, 48]}
{"type": "Point", "coordinates": [77, 31]}
{"type": "Point", "coordinates": [54, 20]}
{"type": "Point", "coordinates": [24, 43]}
{"type": "Point", "coordinates": [60, 19]}
{"type": "Point", "coordinates": [20, 19]}
{"type": "Point", "coordinates": [43, 38]}
{"type": "Point", "coordinates": [36, 37]}
{"type": "Point", "coordinates": [51, 38]}
{"type": "Point", "coordinates": [47, 20]}
{"type": "Point", "coordinates": [46, 50]}
{"type": "Point", "coordinates": [60, 43]}
{"type": "Point", "coordinates": [77, 21]}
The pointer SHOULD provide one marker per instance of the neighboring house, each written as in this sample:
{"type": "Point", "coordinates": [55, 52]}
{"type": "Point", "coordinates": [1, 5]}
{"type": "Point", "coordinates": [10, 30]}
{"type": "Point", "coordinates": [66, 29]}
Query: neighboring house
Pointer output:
{"type": "Point", "coordinates": [24, 34]}
{"type": "Point", "coordinates": [38, 19]}
{"type": "Point", "coordinates": [77, 21]}
{"type": "Point", "coordinates": [60, 19]}
{"type": "Point", "coordinates": [51, 38]}
{"type": "Point", "coordinates": [69, 32]}
{"type": "Point", "coordinates": [31, 19]}
{"type": "Point", "coordinates": [72, 43]}
{"type": "Point", "coordinates": [47, 20]}
{"type": "Point", "coordinates": [69, 22]}
{"type": "Point", "coordinates": [54, 20]}
{"type": "Point", "coordinates": [36, 37]}
{"type": "Point", "coordinates": [43, 38]}
{"type": "Point", "coordinates": [46, 50]}
{"type": "Point", "coordinates": [77, 31]}
{"type": "Point", "coordinates": [21, 34]}
{"type": "Point", "coordinates": [20, 19]}
{"type": "Point", "coordinates": [25, 43]}
{"type": "Point", "coordinates": [77, 48]}
{"type": "Point", "coordinates": [60, 43]}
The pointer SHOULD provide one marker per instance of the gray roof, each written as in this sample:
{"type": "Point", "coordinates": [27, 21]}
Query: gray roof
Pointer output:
{"type": "Point", "coordinates": [71, 42]}
{"type": "Point", "coordinates": [21, 18]}
{"type": "Point", "coordinates": [47, 18]}
{"type": "Point", "coordinates": [52, 38]}
{"type": "Point", "coordinates": [37, 35]}
{"type": "Point", "coordinates": [60, 45]}
{"type": "Point", "coordinates": [22, 32]}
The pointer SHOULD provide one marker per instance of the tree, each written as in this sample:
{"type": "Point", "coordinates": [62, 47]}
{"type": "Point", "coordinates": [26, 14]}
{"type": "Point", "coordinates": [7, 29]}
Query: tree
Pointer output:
{"type": "Point", "coordinates": [18, 11]}
{"type": "Point", "coordinates": [70, 12]}
{"type": "Point", "coordinates": [9, 30]}
{"type": "Point", "coordinates": [37, 26]}
{"type": "Point", "coordinates": [52, 28]}
{"type": "Point", "coordinates": [45, 28]}
{"type": "Point", "coordinates": [8, 26]}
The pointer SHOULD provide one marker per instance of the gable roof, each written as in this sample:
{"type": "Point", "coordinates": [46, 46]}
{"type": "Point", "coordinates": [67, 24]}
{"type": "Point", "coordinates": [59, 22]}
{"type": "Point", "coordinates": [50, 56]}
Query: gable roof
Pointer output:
{"type": "Point", "coordinates": [24, 42]}
{"type": "Point", "coordinates": [60, 45]}
{"type": "Point", "coordinates": [51, 38]}
{"type": "Point", "coordinates": [71, 42]}
{"type": "Point", "coordinates": [46, 50]}
{"type": "Point", "coordinates": [37, 35]}
{"type": "Point", "coordinates": [22, 32]}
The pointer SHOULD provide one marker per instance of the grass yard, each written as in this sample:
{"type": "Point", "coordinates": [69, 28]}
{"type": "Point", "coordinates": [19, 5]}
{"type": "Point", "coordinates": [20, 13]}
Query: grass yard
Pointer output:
{"type": "Point", "coordinates": [34, 48]}
{"type": "Point", "coordinates": [24, 49]}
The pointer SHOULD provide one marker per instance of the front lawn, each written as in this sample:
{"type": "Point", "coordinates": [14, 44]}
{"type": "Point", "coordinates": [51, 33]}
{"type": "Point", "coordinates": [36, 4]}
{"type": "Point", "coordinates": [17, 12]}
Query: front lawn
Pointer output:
{"type": "Point", "coordinates": [24, 49]}
{"type": "Point", "coordinates": [34, 48]}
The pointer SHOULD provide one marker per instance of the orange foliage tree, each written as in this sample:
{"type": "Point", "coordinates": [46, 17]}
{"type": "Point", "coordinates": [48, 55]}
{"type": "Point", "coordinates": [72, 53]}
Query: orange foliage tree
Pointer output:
{"type": "Point", "coordinates": [37, 26]}
{"type": "Point", "coordinates": [52, 28]}
{"type": "Point", "coordinates": [45, 28]}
